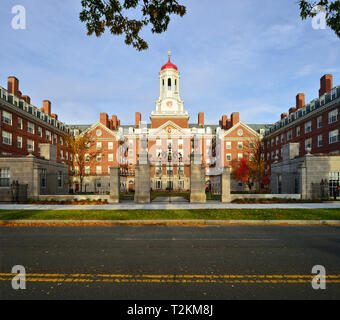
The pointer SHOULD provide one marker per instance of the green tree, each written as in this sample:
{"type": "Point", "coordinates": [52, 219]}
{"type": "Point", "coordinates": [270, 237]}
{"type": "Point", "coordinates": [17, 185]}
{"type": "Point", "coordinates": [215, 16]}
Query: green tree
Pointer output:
{"type": "Point", "coordinates": [100, 15]}
{"type": "Point", "coordinates": [332, 9]}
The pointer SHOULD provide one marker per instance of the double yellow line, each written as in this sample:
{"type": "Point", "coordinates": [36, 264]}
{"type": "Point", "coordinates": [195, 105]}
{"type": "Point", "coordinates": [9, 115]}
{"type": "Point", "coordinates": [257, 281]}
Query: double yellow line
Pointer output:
{"type": "Point", "coordinates": [167, 278]}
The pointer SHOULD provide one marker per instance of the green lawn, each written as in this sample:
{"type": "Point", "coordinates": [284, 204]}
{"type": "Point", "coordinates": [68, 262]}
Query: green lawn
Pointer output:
{"type": "Point", "coordinates": [221, 214]}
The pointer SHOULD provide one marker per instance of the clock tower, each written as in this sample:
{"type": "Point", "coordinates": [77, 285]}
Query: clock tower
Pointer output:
{"type": "Point", "coordinates": [169, 105]}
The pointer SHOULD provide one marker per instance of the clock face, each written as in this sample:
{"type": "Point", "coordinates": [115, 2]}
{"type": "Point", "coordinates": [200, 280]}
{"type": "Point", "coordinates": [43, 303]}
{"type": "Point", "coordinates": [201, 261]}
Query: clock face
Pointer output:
{"type": "Point", "coordinates": [169, 105]}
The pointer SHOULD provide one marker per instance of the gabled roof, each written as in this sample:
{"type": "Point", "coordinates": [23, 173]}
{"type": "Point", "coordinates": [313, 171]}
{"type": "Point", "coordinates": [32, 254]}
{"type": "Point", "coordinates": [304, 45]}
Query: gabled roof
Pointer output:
{"type": "Point", "coordinates": [98, 124]}
{"type": "Point", "coordinates": [241, 124]}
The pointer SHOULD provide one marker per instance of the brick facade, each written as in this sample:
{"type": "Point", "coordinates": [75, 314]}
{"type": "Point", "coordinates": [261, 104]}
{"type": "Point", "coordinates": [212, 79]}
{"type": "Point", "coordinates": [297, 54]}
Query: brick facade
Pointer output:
{"type": "Point", "coordinates": [24, 127]}
{"type": "Point", "coordinates": [315, 126]}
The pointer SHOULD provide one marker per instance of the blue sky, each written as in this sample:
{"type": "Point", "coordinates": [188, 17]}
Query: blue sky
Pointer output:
{"type": "Point", "coordinates": [247, 56]}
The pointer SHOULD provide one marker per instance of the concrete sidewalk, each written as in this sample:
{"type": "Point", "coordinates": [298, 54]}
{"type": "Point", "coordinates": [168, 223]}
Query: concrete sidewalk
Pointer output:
{"type": "Point", "coordinates": [184, 222]}
{"type": "Point", "coordinates": [129, 205]}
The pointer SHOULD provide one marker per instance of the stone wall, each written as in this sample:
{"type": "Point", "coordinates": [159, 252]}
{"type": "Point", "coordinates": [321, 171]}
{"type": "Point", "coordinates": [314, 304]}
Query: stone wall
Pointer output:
{"type": "Point", "coordinates": [29, 170]}
{"type": "Point", "coordinates": [303, 175]}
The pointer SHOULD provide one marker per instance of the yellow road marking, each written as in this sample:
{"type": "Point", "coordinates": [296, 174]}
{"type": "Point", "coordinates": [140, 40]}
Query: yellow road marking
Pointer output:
{"type": "Point", "coordinates": [168, 278]}
{"type": "Point", "coordinates": [166, 275]}
{"type": "Point", "coordinates": [68, 280]}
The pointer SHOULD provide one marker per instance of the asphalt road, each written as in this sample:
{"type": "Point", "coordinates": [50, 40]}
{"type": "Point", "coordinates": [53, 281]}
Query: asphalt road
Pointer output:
{"type": "Point", "coordinates": [234, 262]}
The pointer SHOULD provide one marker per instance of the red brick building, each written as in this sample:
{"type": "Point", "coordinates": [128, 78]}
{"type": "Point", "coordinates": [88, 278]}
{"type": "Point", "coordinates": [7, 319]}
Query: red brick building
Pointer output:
{"type": "Point", "coordinates": [315, 126]}
{"type": "Point", "coordinates": [23, 127]}
{"type": "Point", "coordinates": [170, 139]}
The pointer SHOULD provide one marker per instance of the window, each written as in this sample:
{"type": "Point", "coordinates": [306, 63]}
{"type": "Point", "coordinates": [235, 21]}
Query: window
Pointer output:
{"type": "Point", "coordinates": [39, 131]}
{"type": "Point", "coordinates": [228, 156]}
{"type": "Point", "coordinates": [76, 170]}
{"type": "Point", "coordinates": [320, 143]}
{"type": "Point", "coordinates": [98, 169]}
{"type": "Point", "coordinates": [110, 157]}
{"type": "Point", "coordinates": [61, 141]}
{"type": "Point", "coordinates": [308, 144]}
{"type": "Point", "coordinates": [333, 136]}
{"type": "Point", "coordinates": [308, 126]}
{"type": "Point", "coordinates": [66, 155]}
{"type": "Point", "coordinates": [158, 184]}
{"type": "Point", "coordinates": [251, 145]}
{"type": "Point", "coordinates": [289, 135]}
{"type": "Point", "coordinates": [55, 139]}
{"type": "Point", "coordinates": [333, 116]}
{"type": "Point", "coordinates": [87, 170]}
{"type": "Point", "coordinates": [272, 142]}
{"type": "Point", "coordinates": [99, 157]}
{"type": "Point", "coordinates": [277, 140]}
{"type": "Point", "coordinates": [99, 145]}
{"type": "Point", "coordinates": [282, 138]}
{"type": "Point", "coordinates": [5, 175]}
{"type": "Point", "coordinates": [43, 178]}
{"type": "Point", "coordinates": [60, 179]}
{"type": "Point", "coordinates": [239, 156]}
{"type": "Point", "coordinates": [61, 154]}
{"type": "Point", "coordinates": [6, 138]}
{"type": "Point", "coordinates": [319, 122]}
{"type": "Point", "coordinates": [87, 157]}
{"type": "Point", "coordinates": [7, 117]}
{"type": "Point", "coordinates": [240, 145]}
{"type": "Point", "coordinates": [19, 142]}
{"type": "Point", "coordinates": [30, 145]}
{"type": "Point", "coordinates": [298, 131]}
{"type": "Point", "coordinates": [110, 145]}
{"type": "Point", "coordinates": [48, 135]}
{"type": "Point", "coordinates": [20, 125]}
{"type": "Point", "coordinates": [30, 127]}
{"type": "Point", "coordinates": [228, 145]}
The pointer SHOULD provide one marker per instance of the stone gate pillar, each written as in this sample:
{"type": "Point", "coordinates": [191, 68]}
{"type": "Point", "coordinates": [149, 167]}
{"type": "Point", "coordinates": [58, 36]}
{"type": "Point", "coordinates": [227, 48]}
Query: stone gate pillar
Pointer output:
{"type": "Point", "coordinates": [114, 184]}
{"type": "Point", "coordinates": [142, 180]}
{"type": "Point", "coordinates": [225, 185]}
{"type": "Point", "coordinates": [197, 179]}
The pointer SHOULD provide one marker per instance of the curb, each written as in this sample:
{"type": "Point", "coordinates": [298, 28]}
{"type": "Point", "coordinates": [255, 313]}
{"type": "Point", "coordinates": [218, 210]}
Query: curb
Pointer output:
{"type": "Point", "coordinates": [172, 222]}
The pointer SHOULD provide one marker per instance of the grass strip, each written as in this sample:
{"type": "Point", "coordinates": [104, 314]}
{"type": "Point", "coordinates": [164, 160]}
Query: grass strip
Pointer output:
{"type": "Point", "coordinates": [207, 214]}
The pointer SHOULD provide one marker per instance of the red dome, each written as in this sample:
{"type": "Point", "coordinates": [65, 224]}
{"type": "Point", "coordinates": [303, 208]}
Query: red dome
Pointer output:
{"type": "Point", "coordinates": [169, 65]}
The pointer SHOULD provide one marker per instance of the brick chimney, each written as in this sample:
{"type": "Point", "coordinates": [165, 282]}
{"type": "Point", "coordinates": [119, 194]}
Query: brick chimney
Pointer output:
{"type": "Point", "coordinates": [104, 119]}
{"type": "Point", "coordinates": [118, 122]}
{"type": "Point", "coordinates": [235, 118]}
{"type": "Point", "coordinates": [27, 99]}
{"type": "Point", "coordinates": [291, 110]}
{"type": "Point", "coordinates": [224, 121]}
{"type": "Point", "coordinates": [55, 116]}
{"type": "Point", "coordinates": [284, 115]}
{"type": "Point", "coordinates": [326, 84]}
{"type": "Point", "coordinates": [13, 85]}
{"type": "Point", "coordinates": [114, 122]}
{"type": "Point", "coordinates": [138, 119]}
{"type": "Point", "coordinates": [300, 100]}
{"type": "Point", "coordinates": [46, 107]}
{"type": "Point", "coordinates": [201, 119]}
